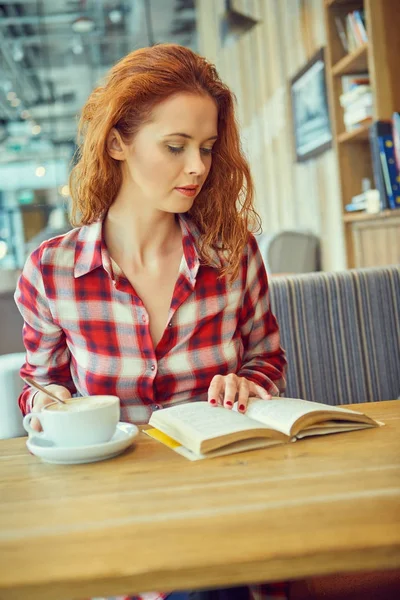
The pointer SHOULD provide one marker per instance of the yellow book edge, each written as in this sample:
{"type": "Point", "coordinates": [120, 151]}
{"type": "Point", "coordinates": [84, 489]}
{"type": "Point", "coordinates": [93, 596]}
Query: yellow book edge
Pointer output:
{"type": "Point", "coordinates": [240, 446]}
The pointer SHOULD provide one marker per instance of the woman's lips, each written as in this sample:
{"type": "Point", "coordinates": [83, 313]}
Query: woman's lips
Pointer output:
{"type": "Point", "coordinates": [189, 192]}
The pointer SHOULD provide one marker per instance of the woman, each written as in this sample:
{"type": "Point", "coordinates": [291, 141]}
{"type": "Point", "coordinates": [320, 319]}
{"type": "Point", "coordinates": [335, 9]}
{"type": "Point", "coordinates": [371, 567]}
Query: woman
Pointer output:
{"type": "Point", "coordinates": [160, 296]}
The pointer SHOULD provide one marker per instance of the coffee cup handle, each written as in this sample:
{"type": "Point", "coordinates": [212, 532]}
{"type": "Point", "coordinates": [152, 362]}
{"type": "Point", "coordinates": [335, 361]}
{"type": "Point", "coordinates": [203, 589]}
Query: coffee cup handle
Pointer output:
{"type": "Point", "coordinates": [27, 424]}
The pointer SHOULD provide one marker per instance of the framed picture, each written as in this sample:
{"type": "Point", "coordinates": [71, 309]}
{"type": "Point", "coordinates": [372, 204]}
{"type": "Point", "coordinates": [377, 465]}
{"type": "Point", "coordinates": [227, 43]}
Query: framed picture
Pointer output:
{"type": "Point", "coordinates": [311, 122]}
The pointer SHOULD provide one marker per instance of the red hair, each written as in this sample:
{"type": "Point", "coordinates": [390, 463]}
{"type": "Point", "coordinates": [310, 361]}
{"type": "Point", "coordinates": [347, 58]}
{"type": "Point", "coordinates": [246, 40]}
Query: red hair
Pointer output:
{"type": "Point", "coordinates": [223, 211]}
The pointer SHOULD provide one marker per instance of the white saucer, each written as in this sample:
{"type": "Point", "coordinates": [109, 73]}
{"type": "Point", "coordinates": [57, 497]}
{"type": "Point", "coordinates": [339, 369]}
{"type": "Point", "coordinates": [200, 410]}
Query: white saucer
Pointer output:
{"type": "Point", "coordinates": [49, 452]}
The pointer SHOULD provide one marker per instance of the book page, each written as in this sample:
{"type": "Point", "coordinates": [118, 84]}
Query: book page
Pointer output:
{"type": "Point", "coordinates": [329, 427]}
{"type": "Point", "coordinates": [201, 421]}
{"type": "Point", "coordinates": [282, 413]}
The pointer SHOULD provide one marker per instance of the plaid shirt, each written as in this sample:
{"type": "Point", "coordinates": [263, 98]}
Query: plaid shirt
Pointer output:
{"type": "Point", "coordinates": [86, 329]}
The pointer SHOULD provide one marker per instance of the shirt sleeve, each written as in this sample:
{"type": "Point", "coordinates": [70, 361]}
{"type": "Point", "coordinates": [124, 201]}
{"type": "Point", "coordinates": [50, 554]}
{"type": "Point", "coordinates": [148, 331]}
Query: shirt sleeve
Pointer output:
{"type": "Point", "coordinates": [47, 354]}
{"type": "Point", "coordinates": [264, 360]}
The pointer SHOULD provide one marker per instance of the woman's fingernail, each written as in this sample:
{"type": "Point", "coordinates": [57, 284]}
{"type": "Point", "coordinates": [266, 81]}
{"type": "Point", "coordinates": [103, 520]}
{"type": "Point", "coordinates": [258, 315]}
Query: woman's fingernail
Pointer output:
{"type": "Point", "coordinates": [242, 407]}
{"type": "Point", "coordinates": [229, 403]}
{"type": "Point", "coordinates": [213, 401]}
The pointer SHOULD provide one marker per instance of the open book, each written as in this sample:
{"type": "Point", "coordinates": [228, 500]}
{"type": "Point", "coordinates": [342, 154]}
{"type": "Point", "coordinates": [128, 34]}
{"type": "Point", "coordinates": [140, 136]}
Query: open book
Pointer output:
{"type": "Point", "coordinates": [198, 430]}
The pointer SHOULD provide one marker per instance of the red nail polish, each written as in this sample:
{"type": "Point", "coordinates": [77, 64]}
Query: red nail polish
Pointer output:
{"type": "Point", "coordinates": [212, 401]}
{"type": "Point", "coordinates": [242, 407]}
{"type": "Point", "coordinates": [229, 403]}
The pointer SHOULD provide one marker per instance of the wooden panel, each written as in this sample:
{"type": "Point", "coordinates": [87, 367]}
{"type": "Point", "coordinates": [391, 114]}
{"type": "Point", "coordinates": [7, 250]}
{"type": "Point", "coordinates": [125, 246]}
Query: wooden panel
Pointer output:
{"type": "Point", "coordinates": [258, 67]}
{"type": "Point", "coordinates": [364, 216]}
{"type": "Point", "coordinates": [383, 21]}
{"type": "Point", "coordinates": [376, 242]}
{"type": "Point", "coordinates": [358, 135]}
{"type": "Point", "coordinates": [356, 62]}
{"type": "Point", "coordinates": [355, 164]}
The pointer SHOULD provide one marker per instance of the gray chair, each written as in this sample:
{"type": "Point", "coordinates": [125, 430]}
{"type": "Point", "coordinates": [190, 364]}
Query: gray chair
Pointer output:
{"type": "Point", "coordinates": [11, 324]}
{"type": "Point", "coordinates": [293, 252]}
{"type": "Point", "coordinates": [11, 386]}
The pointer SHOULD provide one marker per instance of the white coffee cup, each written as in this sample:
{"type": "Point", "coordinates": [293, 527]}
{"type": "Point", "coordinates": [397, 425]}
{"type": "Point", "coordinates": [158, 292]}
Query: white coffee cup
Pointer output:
{"type": "Point", "coordinates": [79, 422]}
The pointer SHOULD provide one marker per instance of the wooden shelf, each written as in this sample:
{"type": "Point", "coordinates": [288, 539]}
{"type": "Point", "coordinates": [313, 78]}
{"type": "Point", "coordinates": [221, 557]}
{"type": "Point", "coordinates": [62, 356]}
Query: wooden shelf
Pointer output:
{"type": "Point", "coordinates": [365, 233]}
{"type": "Point", "coordinates": [355, 62]}
{"type": "Point", "coordinates": [364, 216]}
{"type": "Point", "coordinates": [361, 134]}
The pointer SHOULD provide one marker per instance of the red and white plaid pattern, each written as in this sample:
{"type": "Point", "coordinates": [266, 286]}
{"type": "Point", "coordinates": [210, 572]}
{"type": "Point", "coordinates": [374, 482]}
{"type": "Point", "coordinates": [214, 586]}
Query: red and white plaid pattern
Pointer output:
{"type": "Point", "coordinates": [86, 329]}
{"type": "Point", "coordinates": [269, 591]}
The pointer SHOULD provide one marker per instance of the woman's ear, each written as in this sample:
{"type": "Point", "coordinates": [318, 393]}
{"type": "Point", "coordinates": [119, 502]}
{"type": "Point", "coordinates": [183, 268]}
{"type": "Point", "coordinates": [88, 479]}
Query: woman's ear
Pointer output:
{"type": "Point", "coordinates": [115, 145]}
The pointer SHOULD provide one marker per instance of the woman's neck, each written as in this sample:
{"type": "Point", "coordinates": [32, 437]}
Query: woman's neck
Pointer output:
{"type": "Point", "coordinates": [140, 237]}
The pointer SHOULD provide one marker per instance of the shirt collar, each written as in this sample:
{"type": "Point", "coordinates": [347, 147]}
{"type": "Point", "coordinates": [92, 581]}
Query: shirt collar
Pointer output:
{"type": "Point", "coordinates": [191, 238]}
{"type": "Point", "coordinates": [88, 251]}
{"type": "Point", "coordinates": [91, 253]}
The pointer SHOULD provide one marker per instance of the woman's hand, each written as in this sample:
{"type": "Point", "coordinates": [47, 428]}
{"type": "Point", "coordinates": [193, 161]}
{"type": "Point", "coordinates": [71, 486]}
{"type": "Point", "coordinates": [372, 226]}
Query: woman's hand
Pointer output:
{"type": "Point", "coordinates": [40, 400]}
{"type": "Point", "coordinates": [226, 389]}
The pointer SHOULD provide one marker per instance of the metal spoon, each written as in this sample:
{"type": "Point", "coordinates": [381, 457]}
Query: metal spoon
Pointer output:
{"type": "Point", "coordinates": [40, 388]}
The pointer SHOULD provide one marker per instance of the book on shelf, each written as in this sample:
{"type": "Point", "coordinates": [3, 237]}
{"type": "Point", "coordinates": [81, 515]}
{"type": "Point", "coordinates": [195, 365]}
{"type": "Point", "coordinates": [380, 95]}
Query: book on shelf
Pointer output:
{"type": "Point", "coordinates": [342, 33]}
{"type": "Point", "coordinates": [198, 430]}
{"type": "Point", "coordinates": [386, 172]}
{"type": "Point", "coordinates": [396, 137]}
{"type": "Point", "coordinates": [355, 94]}
{"type": "Point", "coordinates": [378, 128]}
{"type": "Point", "coordinates": [358, 17]}
{"type": "Point", "coordinates": [356, 207]}
{"type": "Point", "coordinates": [355, 30]}
{"type": "Point", "coordinates": [353, 80]}
{"type": "Point", "coordinates": [357, 116]}
{"type": "Point", "coordinates": [351, 30]}
{"type": "Point", "coordinates": [390, 171]}
{"type": "Point", "coordinates": [356, 100]}
{"type": "Point", "coordinates": [358, 202]}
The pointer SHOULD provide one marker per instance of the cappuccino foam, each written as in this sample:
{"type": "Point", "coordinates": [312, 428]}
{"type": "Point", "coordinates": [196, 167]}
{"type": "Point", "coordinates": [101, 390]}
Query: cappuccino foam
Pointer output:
{"type": "Point", "coordinates": [80, 404]}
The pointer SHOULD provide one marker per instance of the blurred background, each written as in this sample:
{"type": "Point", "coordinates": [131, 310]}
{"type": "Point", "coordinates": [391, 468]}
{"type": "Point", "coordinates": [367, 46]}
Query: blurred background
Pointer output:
{"type": "Point", "coordinates": [52, 54]}
{"type": "Point", "coordinates": [316, 83]}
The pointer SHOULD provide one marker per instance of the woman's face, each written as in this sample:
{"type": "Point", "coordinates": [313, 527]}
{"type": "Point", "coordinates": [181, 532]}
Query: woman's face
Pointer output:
{"type": "Point", "coordinates": [168, 160]}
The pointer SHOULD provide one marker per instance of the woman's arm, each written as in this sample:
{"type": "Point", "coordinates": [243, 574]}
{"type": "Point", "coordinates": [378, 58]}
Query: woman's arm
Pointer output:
{"type": "Point", "coordinates": [264, 361]}
{"type": "Point", "coordinates": [47, 354]}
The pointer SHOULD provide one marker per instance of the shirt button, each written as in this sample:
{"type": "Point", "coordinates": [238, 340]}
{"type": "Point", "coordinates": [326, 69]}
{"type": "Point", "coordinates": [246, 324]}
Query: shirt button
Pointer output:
{"type": "Point", "coordinates": [153, 367]}
{"type": "Point", "coordinates": [170, 324]}
{"type": "Point", "coordinates": [156, 407]}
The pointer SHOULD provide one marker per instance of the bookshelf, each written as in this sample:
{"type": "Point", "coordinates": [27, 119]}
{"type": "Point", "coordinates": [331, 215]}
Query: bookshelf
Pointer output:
{"type": "Point", "coordinates": [378, 57]}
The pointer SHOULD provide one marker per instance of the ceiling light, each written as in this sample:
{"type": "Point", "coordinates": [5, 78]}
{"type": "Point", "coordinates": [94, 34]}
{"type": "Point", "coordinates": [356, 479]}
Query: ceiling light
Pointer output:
{"type": "Point", "coordinates": [40, 172]}
{"type": "Point", "coordinates": [15, 102]}
{"type": "Point", "coordinates": [83, 25]}
{"type": "Point", "coordinates": [36, 129]}
{"type": "Point", "coordinates": [64, 191]}
{"type": "Point", "coordinates": [76, 45]}
{"type": "Point", "coordinates": [25, 114]}
{"type": "Point", "coordinates": [115, 16]}
{"type": "Point", "coordinates": [11, 96]}
{"type": "Point", "coordinates": [17, 53]}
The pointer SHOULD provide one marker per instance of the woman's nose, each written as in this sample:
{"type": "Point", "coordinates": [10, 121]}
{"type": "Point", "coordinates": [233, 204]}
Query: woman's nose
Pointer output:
{"type": "Point", "coordinates": [195, 165]}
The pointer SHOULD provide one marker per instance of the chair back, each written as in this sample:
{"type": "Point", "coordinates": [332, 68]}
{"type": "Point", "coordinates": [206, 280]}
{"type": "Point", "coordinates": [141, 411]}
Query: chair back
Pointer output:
{"type": "Point", "coordinates": [11, 386]}
{"type": "Point", "coordinates": [341, 333]}
{"type": "Point", "coordinates": [293, 252]}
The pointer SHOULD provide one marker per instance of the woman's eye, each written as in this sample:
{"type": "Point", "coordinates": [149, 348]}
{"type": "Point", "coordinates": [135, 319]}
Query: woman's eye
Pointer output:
{"type": "Point", "coordinates": [175, 149]}
{"type": "Point", "coordinates": [206, 150]}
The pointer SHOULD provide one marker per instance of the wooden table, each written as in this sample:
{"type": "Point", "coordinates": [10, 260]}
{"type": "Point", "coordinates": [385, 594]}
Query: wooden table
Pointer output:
{"type": "Point", "coordinates": [150, 520]}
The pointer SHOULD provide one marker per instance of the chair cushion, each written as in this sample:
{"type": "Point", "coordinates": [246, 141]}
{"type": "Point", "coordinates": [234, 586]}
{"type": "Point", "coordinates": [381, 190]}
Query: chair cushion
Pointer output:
{"type": "Point", "coordinates": [341, 332]}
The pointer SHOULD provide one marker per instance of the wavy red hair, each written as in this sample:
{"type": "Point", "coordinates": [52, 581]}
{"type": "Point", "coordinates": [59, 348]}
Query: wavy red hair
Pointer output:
{"type": "Point", "coordinates": [133, 87]}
